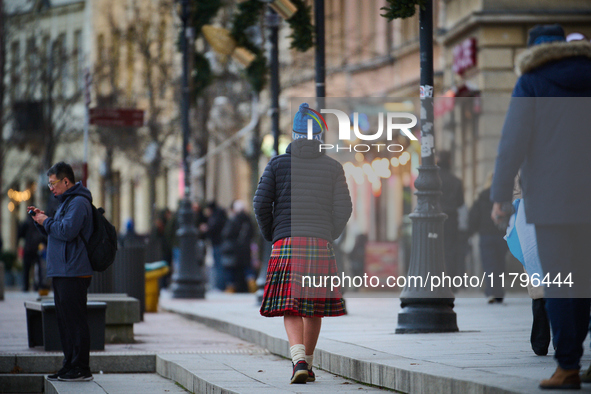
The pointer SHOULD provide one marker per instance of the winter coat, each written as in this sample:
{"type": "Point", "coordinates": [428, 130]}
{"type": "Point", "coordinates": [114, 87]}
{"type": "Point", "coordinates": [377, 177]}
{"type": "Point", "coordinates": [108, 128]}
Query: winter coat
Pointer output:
{"type": "Point", "coordinates": [215, 225]}
{"type": "Point", "coordinates": [544, 138]}
{"type": "Point", "coordinates": [452, 193]}
{"type": "Point", "coordinates": [302, 193]}
{"type": "Point", "coordinates": [32, 237]}
{"type": "Point", "coordinates": [66, 253]}
{"type": "Point", "coordinates": [479, 220]}
{"type": "Point", "coordinates": [236, 237]}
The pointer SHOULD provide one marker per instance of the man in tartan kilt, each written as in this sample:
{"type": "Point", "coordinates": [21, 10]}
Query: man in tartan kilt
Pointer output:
{"type": "Point", "coordinates": [302, 205]}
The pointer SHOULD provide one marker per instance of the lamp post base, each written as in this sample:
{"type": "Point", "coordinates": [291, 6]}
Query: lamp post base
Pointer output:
{"type": "Point", "coordinates": [435, 316]}
{"type": "Point", "coordinates": [187, 278]}
{"type": "Point", "coordinates": [189, 289]}
{"type": "Point", "coordinates": [427, 309]}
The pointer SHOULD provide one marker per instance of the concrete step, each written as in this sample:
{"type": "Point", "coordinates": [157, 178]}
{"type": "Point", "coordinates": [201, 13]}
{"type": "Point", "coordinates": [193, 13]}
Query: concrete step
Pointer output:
{"type": "Point", "coordinates": [21, 383]}
{"type": "Point", "coordinates": [244, 373]}
{"type": "Point", "coordinates": [46, 363]}
{"type": "Point", "coordinates": [147, 383]}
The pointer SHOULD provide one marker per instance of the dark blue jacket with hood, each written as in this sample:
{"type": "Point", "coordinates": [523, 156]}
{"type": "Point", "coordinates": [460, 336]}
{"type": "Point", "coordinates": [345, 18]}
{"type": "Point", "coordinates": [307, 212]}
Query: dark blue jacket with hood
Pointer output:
{"type": "Point", "coordinates": [547, 135]}
{"type": "Point", "coordinates": [66, 253]}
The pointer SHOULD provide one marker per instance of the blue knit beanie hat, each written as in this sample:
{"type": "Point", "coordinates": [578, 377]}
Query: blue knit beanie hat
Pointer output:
{"type": "Point", "coordinates": [300, 124]}
{"type": "Point", "coordinates": [540, 34]}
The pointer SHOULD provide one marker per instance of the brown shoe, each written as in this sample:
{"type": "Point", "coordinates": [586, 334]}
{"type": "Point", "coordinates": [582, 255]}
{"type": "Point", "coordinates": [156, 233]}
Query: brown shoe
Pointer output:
{"type": "Point", "coordinates": [563, 379]}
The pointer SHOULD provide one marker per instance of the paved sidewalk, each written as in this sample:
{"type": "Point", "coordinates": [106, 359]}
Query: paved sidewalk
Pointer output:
{"type": "Point", "coordinates": [174, 354]}
{"type": "Point", "coordinates": [159, 333]}
{"type": "Point", "coordinates": [491, 353]}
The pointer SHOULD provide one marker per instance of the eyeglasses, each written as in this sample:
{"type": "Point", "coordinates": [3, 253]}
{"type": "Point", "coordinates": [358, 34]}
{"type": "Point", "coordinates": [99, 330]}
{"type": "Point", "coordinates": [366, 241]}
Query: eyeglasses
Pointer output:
{"type": "Point", "coordinates": [51, 185]}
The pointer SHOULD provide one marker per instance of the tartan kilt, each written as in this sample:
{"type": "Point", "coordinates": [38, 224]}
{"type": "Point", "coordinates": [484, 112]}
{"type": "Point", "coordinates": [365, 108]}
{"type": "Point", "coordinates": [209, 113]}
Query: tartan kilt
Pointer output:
{"type": "Point", "coordinates": [295, 262]}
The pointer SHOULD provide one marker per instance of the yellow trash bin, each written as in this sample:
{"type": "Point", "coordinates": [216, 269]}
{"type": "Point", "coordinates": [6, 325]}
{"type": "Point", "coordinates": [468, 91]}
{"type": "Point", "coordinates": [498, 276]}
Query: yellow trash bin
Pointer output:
{"type": "Point", "coordinates": [154, 271]}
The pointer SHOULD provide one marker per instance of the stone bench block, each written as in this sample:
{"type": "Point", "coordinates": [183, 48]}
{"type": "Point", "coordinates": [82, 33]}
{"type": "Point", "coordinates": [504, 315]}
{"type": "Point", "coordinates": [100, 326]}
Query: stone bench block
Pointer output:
{"type": "Point", "coordinates": [43, 331]}
{"type": "Point", "coordinates": [122, 312]}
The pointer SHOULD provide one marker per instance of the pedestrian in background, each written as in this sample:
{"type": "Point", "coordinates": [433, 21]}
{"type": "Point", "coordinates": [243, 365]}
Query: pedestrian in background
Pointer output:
{"type": "Point", "coordinates": [216, 219]}
{"type": "Point", "coordinates": [302, 205]}
{"type": "Point", "coordinates": [548, 139]}
{"type": "Point", "coordinates": [492, 245]}
{"type": "Point", "coordinates": [69, 268]}
{"type": "Point", "coordinates": [130, 237]}
{"type": "Point", "coordinates": [452, 198]}
{"type": "Point", "coordinates": [32, 238]}
{"type": "Point", "coordinates": [357, 255]}
{"type": "Point", "coordinates": [157, 237]}
{"type": "Point", "coordinates": [236, 258]}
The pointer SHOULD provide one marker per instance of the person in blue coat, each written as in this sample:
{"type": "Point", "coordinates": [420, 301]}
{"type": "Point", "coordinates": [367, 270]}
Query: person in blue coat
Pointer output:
{"type": "Point", "coordinates": [69, 267]}
{"type": "Point", "coordinates": [546, 135]}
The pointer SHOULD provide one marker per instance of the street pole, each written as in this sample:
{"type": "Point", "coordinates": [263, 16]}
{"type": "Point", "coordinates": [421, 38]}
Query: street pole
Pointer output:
{"type": "Point", "coordinates": [2, 90]}
{"type": "Point", "coordinates": [273, 21]}
{"type": "Point", "coordinates": [320, 56]}
{"type": "Point", "coordinates": [87, 83]}
{"type": "Point", "coordinates": [187, 277]}
{"type": "Point", "coordinates": [425, 310]}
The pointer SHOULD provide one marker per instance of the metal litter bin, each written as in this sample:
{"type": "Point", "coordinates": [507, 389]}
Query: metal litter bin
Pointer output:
{"type": "Point", "coordinates": [102, 282]}
{"type": "Point", "coordinates": [128, 273]}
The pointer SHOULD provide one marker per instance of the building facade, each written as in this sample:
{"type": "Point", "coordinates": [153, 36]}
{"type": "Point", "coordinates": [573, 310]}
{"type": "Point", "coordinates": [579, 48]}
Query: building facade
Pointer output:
{"type": "Point", "coordinates": [475, 45]}
{"type": "Point", "coordinates": [62, 54]}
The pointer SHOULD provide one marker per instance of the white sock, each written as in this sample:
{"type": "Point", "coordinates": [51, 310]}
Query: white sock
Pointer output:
{"type": "Point", "coordinates": [298, 353]}
{"type": "Point", "coordinates": [309, 360]}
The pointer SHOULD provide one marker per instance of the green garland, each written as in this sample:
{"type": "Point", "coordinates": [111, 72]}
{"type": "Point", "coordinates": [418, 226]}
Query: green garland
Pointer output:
{"type": "Point", "coordinates": [201, 76]}
{"type": "Point", "coordinates": [301, 26]}
{"type": "Point", "coordinates": [248, 15]}
{"type": "Point", "coordinates": [401, 8]}
{"type": "Point", "coordinates": [200, 14]}
{"type": "Point", "coordinates": [202, 11]}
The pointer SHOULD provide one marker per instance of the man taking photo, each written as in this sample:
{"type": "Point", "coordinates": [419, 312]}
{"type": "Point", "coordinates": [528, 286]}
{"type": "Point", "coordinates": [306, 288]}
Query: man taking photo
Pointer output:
{"type": "Point", "coordinates": [69, 267]}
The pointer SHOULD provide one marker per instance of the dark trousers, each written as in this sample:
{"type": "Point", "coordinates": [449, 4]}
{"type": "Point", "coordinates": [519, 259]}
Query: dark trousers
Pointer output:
{"type": "Point", "coordinates": [237, 277]}
{"type": "Point", "coordinates": [220, 272]}
{"type": "Point", "coordinates": [70, 304]}
{"type": "Point", "coordinates": [493, 249]}
{"type": "Point", "coordinates": [29, 261]}
{"type": "Point", "coordinates": [540, 329]}
{"type": "Point", "coordinates": [566, 249]}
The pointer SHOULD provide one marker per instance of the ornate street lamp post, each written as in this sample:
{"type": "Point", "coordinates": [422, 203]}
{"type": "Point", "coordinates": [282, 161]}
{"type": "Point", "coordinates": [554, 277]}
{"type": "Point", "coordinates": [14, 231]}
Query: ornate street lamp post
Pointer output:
{"type": "Point", "coordinates": [187, 279]}
{"type": "Point", "coordinates": [424, 310]}
{"type": "Point", "coordinates": [273, 21]}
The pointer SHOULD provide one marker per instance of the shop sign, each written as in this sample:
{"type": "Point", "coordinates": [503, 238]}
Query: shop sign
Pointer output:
{"type": "Point", "coordinates": [464, 56]}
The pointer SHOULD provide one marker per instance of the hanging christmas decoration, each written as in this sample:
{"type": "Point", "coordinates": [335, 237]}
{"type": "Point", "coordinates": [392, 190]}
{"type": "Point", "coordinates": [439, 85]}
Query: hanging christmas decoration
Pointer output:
{"type": "Point", "coordinates": [250, 12]}
{"type": "Point", "coordinates": [402, 8]}
{"type": "Point", "coordinates": [220, 39]}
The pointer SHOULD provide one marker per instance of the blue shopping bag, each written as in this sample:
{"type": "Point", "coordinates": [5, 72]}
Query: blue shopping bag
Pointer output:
{"type": "Point", "coordinates": [521, 240]}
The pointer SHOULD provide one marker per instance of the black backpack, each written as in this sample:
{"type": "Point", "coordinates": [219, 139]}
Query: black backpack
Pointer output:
{"type": "Point", "coordinates": [101, 247]}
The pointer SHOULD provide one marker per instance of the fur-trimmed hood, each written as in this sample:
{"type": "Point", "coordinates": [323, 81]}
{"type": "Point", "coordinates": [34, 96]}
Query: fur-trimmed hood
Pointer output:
{"type": "Point", "coordinates": [558, 68]}
{"type": "Point", "coordinates": [539, 55]}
